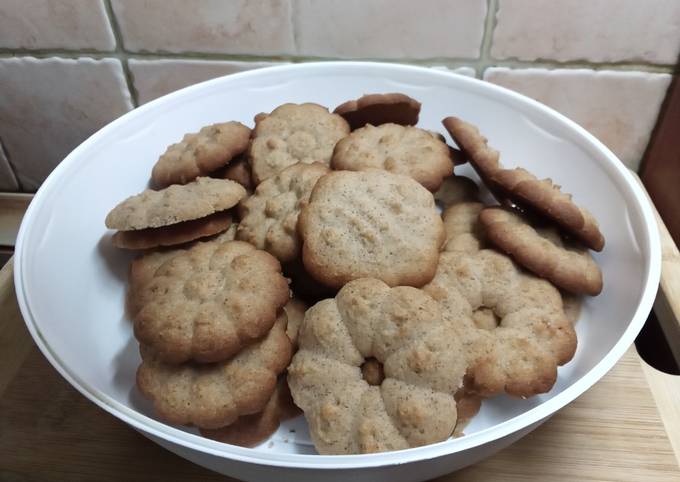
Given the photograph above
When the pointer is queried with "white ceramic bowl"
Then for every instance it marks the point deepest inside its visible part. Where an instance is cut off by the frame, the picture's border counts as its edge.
(70, 281)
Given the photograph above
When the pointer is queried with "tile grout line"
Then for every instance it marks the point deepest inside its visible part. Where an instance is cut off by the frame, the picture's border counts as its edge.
(487, 38)
(12, 169)
(122, 54)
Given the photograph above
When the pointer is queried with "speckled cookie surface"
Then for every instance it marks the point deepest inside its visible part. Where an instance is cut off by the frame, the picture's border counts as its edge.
(205, 303)
(173, 234)
(174, 204)
(544, 253)
(215, 395)
(294, 133)
(512, 324)
(402, 329)
(200, 153)
(370, 224)
(398, 149)
(269, 217)
(377, 109)
(519, 185)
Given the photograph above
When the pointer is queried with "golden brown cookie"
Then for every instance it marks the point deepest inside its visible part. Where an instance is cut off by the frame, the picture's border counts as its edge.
(175, 204)
(237, 170)
(200, 153)
(566, 265)
(294, 133)
(205, 303)
(423, 363)
(370, 224)
(173, 234)
(511, 323)
(377, 109)
(216, 395)
(456, 189)
(269, 217)
(251, 430)
(398, 149)
(540, 196)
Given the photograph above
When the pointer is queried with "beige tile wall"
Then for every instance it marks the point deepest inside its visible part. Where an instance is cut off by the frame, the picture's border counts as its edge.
(67, 67)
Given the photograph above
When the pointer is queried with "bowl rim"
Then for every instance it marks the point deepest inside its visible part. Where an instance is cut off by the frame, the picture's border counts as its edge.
(614, 168)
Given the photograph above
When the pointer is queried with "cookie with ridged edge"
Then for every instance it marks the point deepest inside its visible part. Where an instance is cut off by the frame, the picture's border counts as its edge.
(423, 365)
(542, 197)
(215, 395)
(293, 133)
(175, 204)
(200, 153)
(511, 323)
(566, 265)
(370, 224)
(377, 109)
(205, 303)
(173, 234)
(398, 149)
(269, 217)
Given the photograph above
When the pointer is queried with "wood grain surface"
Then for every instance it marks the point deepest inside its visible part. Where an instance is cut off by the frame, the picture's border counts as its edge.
(49, 432)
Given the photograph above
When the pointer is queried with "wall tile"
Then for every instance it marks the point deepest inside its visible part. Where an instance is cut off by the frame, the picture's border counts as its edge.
(7, 180)
(51, 105)
(154, 78)
(390, 28)
(63, 24)
(593, 30)
(619, 108)
(234, 27)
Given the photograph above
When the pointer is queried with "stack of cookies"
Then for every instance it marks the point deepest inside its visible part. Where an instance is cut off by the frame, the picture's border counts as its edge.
(415, 315)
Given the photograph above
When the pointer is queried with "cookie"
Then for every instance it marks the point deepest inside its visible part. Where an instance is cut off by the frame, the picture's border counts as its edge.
(206, 303)
(520, 186)
(216, 395)
(545, 254)
(304, 285)
(269, 217)
(370, 224)
(398, 149)
(173, 234)
(511, 323)
(294, 133)
(295, 312)
(238, 170)
(251, 430)
(456, 189)
(174, 204)
(463, 231)
(402, 329)
(572, 306)
(378, 109)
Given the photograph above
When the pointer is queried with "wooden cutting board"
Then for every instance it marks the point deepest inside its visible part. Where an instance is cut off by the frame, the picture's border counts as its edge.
(49, 432)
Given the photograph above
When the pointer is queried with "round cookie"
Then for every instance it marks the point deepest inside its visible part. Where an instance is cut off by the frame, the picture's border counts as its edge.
(207, 302)
(293, 133)
(567, 266)
(212, 396)
(200, 153)
(370, 224)
(398, 149)
(519, 185)
(269, 217)
(512, 324)
(251, 430)
(402, 329)
(173, 234)
(174, 204)
(377, 109)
